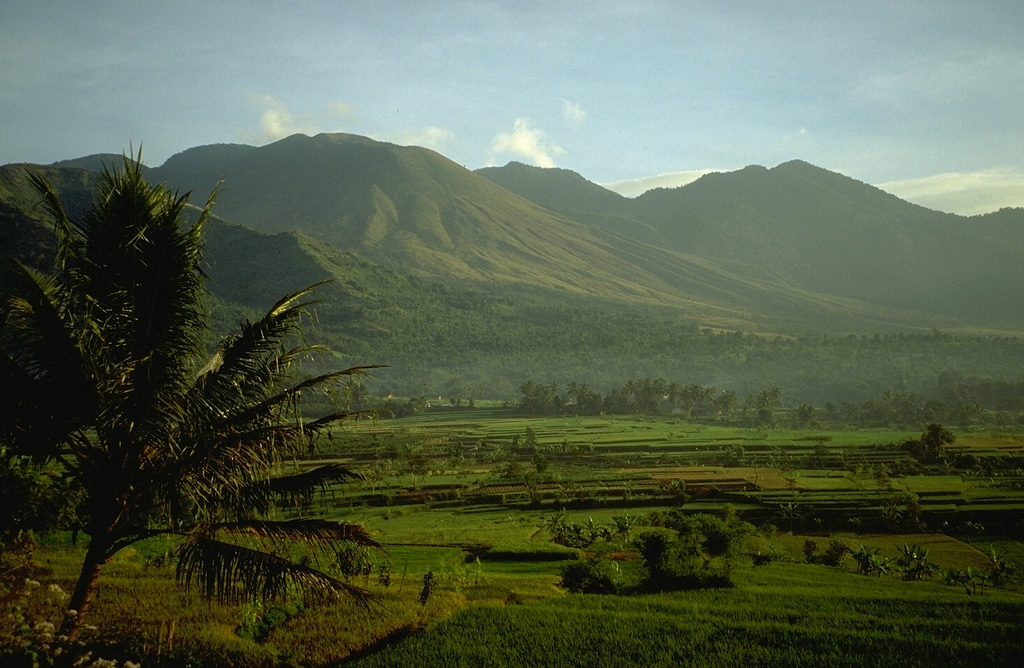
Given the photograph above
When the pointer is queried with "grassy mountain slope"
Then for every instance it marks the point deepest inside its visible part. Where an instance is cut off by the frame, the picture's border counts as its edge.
(414, 210)
(811, 229)
(568, 193)
(817, 229)
(409, 207)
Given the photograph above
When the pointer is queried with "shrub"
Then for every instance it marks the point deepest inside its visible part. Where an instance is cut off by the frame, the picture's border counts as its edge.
(913, 563)
(811, 551)
(712, 535)
(258, 621)
(768, 556)
(590, 576)
(429, 585)
(836, 553)
(674, 562)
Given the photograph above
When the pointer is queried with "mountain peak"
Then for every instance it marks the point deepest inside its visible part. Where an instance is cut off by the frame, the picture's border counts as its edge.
(555, 188)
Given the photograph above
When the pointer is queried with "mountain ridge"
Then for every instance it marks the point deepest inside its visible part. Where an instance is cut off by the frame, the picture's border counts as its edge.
(764, 249)
(810, 228)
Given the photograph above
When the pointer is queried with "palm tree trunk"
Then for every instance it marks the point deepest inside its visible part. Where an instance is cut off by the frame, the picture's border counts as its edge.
(81, 597)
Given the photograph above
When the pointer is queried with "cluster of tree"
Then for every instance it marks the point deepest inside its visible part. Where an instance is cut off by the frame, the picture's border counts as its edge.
(492, 350)
(639, 395)
(760, 408)
(930, 448)
(990, 394)
(685, 552)
(902, 408)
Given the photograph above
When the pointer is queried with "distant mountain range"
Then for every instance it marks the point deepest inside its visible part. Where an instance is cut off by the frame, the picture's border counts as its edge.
(804, 227)
(789, 250)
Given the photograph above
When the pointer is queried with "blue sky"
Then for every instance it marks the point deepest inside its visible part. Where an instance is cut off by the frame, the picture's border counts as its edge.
(925, 99)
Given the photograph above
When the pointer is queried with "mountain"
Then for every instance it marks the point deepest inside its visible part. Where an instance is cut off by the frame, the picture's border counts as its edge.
(566, 192)
(26, 233)
(418, 212)
(443, 273)
(93, 163)
(811, 229)
(756, 249)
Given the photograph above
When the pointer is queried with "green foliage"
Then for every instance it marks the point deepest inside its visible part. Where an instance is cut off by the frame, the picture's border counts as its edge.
(696, 556)
(573, 534)
(353, 560)
(913, 563)
(716, 536)
(258, 619)
(114, 381)
(767, 555)
(427, 587)
(870, 561)
(836, 553)
(999, 567)
(930, 448)
(590, 576)
(35, 500)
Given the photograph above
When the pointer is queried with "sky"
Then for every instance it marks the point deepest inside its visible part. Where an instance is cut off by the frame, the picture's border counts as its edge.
(922, 98)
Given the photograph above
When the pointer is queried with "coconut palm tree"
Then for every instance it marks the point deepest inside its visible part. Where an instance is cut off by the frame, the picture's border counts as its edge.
(113, 380)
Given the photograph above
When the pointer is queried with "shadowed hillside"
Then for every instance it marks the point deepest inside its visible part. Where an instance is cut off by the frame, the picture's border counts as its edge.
(812, 229)
(420, 213)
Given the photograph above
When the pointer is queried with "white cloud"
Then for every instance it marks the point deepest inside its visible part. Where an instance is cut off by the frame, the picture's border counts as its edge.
(278, 122)
(634, 187)
(573, 112)
(431, 137)
(965, 193)
(526, 142)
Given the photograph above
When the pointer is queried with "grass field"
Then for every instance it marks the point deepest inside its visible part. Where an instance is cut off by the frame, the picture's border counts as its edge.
(785, 614)
(470, 498)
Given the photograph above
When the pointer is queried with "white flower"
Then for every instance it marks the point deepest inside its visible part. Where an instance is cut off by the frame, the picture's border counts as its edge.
(44, 627)
(103, 663)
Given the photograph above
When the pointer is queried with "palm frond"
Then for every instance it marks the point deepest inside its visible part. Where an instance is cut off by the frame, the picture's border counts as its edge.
(231, 572)
(321, 535)
(103, 355)
(55, 394)
(67, 246)
(213, 470)
(290, 302)
(294, 491)
(285, 396)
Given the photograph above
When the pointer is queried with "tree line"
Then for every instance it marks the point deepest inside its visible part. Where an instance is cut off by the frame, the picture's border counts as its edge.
(965, 402)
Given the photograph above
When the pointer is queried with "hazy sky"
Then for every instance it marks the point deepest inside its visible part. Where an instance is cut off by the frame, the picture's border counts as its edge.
(924, 98)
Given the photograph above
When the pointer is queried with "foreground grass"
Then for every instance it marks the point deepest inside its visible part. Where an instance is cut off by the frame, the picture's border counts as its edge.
(511, 613)
(786, 614)
(141, 614)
